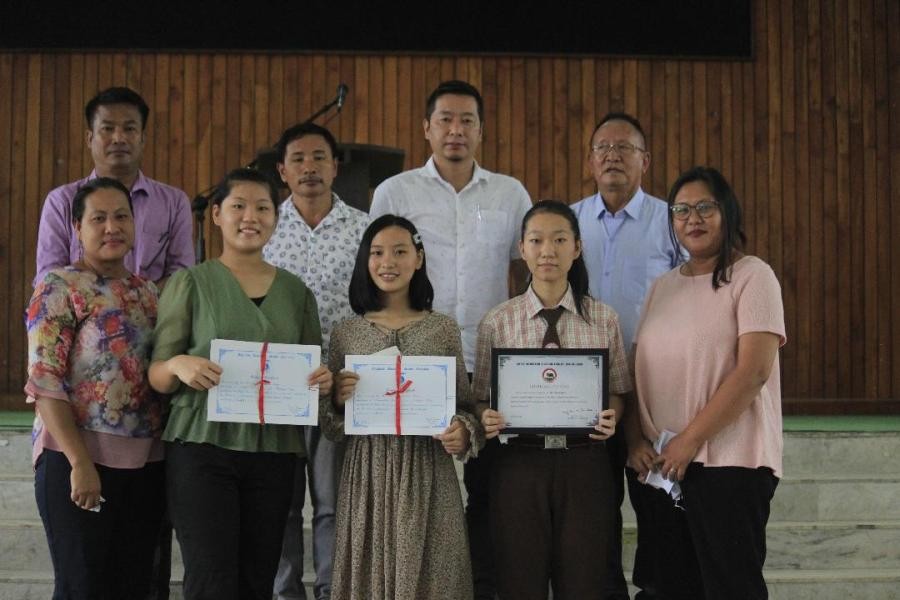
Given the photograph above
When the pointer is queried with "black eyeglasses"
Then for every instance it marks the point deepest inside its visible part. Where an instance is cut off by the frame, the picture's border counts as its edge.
(704, 208)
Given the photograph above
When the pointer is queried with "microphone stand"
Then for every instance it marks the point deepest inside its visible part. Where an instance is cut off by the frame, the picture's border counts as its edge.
(321, 111)
(201, 201)
(198, 207)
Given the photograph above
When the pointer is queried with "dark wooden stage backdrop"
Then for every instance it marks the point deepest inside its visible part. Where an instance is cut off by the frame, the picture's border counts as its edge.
(808, 132)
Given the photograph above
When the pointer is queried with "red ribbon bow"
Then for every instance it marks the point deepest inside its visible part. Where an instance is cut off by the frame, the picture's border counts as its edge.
(261, 400)
(396, 393)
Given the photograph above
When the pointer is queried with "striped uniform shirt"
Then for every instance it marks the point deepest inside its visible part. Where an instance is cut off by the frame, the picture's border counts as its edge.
(517, 324)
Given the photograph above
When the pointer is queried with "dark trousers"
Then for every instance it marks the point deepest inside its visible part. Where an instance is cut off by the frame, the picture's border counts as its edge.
(162, 561)
(552, 515)
(644, 561)
(477, 477)
(616, 587)
(716, 547)
(105, 555)
(229, 509)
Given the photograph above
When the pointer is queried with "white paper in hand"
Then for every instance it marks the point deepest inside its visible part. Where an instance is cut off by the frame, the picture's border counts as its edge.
(655, 478)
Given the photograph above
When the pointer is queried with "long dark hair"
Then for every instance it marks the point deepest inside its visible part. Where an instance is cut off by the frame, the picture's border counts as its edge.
(364, 294)
(733, 238)
(578, 274)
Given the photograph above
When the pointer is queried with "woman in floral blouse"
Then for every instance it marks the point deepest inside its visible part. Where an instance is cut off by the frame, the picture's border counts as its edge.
(97, 452)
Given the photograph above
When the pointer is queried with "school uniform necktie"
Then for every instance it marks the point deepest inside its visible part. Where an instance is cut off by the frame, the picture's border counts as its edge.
(551, 337)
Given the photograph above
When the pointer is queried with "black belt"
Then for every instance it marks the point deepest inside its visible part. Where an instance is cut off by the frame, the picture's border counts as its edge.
(537, 442)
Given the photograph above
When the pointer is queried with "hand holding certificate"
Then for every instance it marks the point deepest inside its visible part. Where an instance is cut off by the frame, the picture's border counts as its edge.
(264, 383)
(401, 395)
(558, 391)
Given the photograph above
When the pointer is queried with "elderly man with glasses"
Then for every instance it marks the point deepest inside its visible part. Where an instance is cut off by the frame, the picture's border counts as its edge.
(625, 235)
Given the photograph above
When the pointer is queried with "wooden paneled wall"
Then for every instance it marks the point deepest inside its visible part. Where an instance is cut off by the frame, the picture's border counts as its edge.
(808, 133)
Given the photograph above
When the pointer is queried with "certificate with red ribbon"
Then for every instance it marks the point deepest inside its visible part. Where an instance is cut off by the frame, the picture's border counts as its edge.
(264, 383)
(401, 395)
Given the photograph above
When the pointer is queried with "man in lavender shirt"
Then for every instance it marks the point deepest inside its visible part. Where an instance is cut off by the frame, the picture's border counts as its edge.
(116, 133)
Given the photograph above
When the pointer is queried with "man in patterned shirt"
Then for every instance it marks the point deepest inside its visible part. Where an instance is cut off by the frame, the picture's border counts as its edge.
(316, 239)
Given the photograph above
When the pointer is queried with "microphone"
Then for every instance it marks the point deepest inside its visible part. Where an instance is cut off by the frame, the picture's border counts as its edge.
(200, 202)
(342, 92)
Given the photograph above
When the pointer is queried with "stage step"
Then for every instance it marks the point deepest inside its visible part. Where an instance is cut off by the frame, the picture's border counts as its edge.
(834, 584)
(23, 545)
(832, 534)
(839, 499)
(38, 585)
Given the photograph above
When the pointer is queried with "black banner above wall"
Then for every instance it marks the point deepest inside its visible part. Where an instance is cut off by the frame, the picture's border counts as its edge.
(678, 28)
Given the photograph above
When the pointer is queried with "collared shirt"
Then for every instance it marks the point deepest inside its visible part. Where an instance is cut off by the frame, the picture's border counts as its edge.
(517, 323)
(624, 252)
(470, 238)
(323, 257)
(163, 240)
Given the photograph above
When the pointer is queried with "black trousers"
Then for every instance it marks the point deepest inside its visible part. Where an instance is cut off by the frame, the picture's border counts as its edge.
(477, 478)
(551, 518)
(616, 587)
(716, 546)
(162, 561)
(229, 509)
(105, 555)
(642, 574)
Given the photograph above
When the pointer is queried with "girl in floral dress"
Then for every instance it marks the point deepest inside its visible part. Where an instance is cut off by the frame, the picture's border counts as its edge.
(400, 532)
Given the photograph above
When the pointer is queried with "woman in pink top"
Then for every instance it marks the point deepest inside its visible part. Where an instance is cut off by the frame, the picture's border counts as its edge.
(706, 370)
(99, 477)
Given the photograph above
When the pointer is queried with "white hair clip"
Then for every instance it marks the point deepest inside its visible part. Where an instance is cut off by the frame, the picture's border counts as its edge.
(417, 239)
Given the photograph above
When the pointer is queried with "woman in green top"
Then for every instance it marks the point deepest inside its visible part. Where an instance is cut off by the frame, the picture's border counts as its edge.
(229, 484)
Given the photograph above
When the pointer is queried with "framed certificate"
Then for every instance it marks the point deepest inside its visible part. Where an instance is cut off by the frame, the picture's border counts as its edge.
(401, 395)
(264, 383)
(552, 391)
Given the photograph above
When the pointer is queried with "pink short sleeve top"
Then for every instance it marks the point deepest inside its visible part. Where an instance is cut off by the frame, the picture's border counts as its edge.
(686, 345)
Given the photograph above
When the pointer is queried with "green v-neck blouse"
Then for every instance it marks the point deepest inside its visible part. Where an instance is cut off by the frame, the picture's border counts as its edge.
(206, 302)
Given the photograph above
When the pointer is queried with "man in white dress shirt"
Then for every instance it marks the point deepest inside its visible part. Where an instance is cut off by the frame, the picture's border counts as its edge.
(470, 220)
